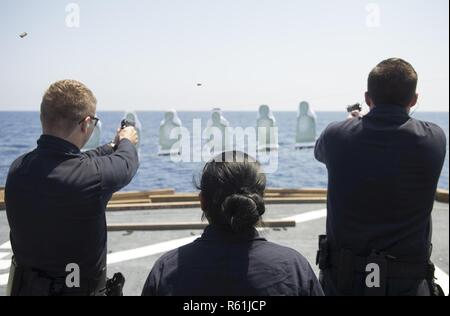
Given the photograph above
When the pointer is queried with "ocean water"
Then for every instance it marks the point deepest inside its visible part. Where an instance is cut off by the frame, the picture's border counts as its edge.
(296, 169)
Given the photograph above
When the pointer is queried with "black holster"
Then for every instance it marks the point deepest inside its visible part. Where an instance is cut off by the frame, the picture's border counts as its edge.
(114, 286)
(322, 258)
(435, 289)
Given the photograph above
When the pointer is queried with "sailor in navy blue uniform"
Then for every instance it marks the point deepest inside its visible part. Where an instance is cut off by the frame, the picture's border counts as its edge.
(383, 172)
(231, 258)
(56, 197)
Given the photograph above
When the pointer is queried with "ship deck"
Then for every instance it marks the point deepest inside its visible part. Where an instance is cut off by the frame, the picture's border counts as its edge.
(134, 252)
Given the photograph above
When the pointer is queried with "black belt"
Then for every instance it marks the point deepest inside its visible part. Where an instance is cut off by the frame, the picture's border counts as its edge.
(34, 282)
(344, 265)
(394, 268)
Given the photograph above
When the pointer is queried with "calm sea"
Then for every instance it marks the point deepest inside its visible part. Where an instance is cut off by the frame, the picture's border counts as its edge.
(296, 168)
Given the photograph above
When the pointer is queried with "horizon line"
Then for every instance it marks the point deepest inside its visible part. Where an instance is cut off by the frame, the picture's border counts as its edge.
(243, 111)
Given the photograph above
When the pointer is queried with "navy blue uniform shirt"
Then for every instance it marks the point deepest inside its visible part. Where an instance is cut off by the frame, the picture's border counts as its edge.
(225, 264)
(56, 198)
(383, 172)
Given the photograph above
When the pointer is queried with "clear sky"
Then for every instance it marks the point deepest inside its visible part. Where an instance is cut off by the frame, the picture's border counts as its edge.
(150, 54)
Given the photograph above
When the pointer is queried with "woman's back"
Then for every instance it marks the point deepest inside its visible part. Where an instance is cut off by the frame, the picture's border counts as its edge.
(225, 264)
(231, 259)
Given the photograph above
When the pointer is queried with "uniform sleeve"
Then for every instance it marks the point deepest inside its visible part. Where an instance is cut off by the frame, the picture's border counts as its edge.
(99, 152)
(436, 149)
(320, 151)
(118, 169)
(323, 149)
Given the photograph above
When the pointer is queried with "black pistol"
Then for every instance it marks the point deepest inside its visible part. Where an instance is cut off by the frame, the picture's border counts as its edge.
(354, 107)
(126, 123)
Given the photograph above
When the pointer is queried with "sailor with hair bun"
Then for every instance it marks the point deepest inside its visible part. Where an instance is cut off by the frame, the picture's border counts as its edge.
(231, 258)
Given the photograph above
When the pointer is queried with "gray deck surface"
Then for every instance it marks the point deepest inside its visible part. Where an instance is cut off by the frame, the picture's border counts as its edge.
(136, 265)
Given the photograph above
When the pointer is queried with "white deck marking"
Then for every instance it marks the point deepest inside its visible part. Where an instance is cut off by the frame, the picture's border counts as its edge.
(308, 216)
(5, 264)
(6, 245)
(148, 250)
(4, 279)
(442, 280)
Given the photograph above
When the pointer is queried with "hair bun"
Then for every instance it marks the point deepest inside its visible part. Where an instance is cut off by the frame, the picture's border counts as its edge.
(243, 211)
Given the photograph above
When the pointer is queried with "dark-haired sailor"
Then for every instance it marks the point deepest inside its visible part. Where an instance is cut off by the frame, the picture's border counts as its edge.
(383, 171)
(231, 259)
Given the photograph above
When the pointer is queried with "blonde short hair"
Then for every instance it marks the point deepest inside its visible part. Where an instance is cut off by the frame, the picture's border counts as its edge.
(66, 103)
